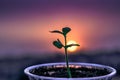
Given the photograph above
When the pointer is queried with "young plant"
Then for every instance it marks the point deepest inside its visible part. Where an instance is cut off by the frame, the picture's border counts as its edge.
(57, 43)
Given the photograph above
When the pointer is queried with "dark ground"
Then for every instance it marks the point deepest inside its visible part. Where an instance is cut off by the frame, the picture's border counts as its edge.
(12, 68)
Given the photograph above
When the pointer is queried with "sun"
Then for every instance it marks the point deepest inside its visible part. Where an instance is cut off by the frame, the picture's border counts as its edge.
(73, 48)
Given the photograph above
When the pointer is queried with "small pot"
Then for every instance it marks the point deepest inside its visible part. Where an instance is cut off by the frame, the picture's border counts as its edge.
(108, 76)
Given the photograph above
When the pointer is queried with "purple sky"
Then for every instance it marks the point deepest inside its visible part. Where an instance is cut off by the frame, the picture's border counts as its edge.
(24, 24)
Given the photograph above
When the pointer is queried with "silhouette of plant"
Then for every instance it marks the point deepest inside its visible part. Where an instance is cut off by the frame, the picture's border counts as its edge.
(57, 43)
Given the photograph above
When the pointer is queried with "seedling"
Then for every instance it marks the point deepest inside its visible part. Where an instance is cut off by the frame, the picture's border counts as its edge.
(57, 43)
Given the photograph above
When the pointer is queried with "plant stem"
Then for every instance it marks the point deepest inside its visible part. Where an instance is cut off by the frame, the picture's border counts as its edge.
(66, 58)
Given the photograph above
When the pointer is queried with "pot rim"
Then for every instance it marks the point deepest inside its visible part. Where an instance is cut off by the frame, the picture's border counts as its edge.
(112, 70)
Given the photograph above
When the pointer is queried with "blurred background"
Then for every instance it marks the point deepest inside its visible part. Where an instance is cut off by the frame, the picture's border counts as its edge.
(25, 39)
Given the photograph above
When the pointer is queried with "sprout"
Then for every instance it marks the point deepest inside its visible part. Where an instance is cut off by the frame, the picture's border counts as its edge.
(57, 43)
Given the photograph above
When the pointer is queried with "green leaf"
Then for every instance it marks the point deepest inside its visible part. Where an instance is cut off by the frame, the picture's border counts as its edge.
(65, 30)
(70, 45)
(56, 31)
(58, 44)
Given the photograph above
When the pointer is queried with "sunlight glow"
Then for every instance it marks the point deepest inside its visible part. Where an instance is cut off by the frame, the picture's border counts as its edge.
(73, 48)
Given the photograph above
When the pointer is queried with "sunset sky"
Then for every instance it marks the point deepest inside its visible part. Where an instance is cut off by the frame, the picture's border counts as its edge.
(25, 24)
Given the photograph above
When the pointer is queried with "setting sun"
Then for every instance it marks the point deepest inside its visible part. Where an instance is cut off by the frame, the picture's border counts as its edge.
(73, 48)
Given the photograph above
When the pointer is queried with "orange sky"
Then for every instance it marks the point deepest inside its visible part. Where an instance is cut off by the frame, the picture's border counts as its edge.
(28, 31)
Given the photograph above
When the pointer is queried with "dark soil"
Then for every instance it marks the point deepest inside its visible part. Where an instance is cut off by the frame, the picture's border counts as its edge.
(77, 72)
